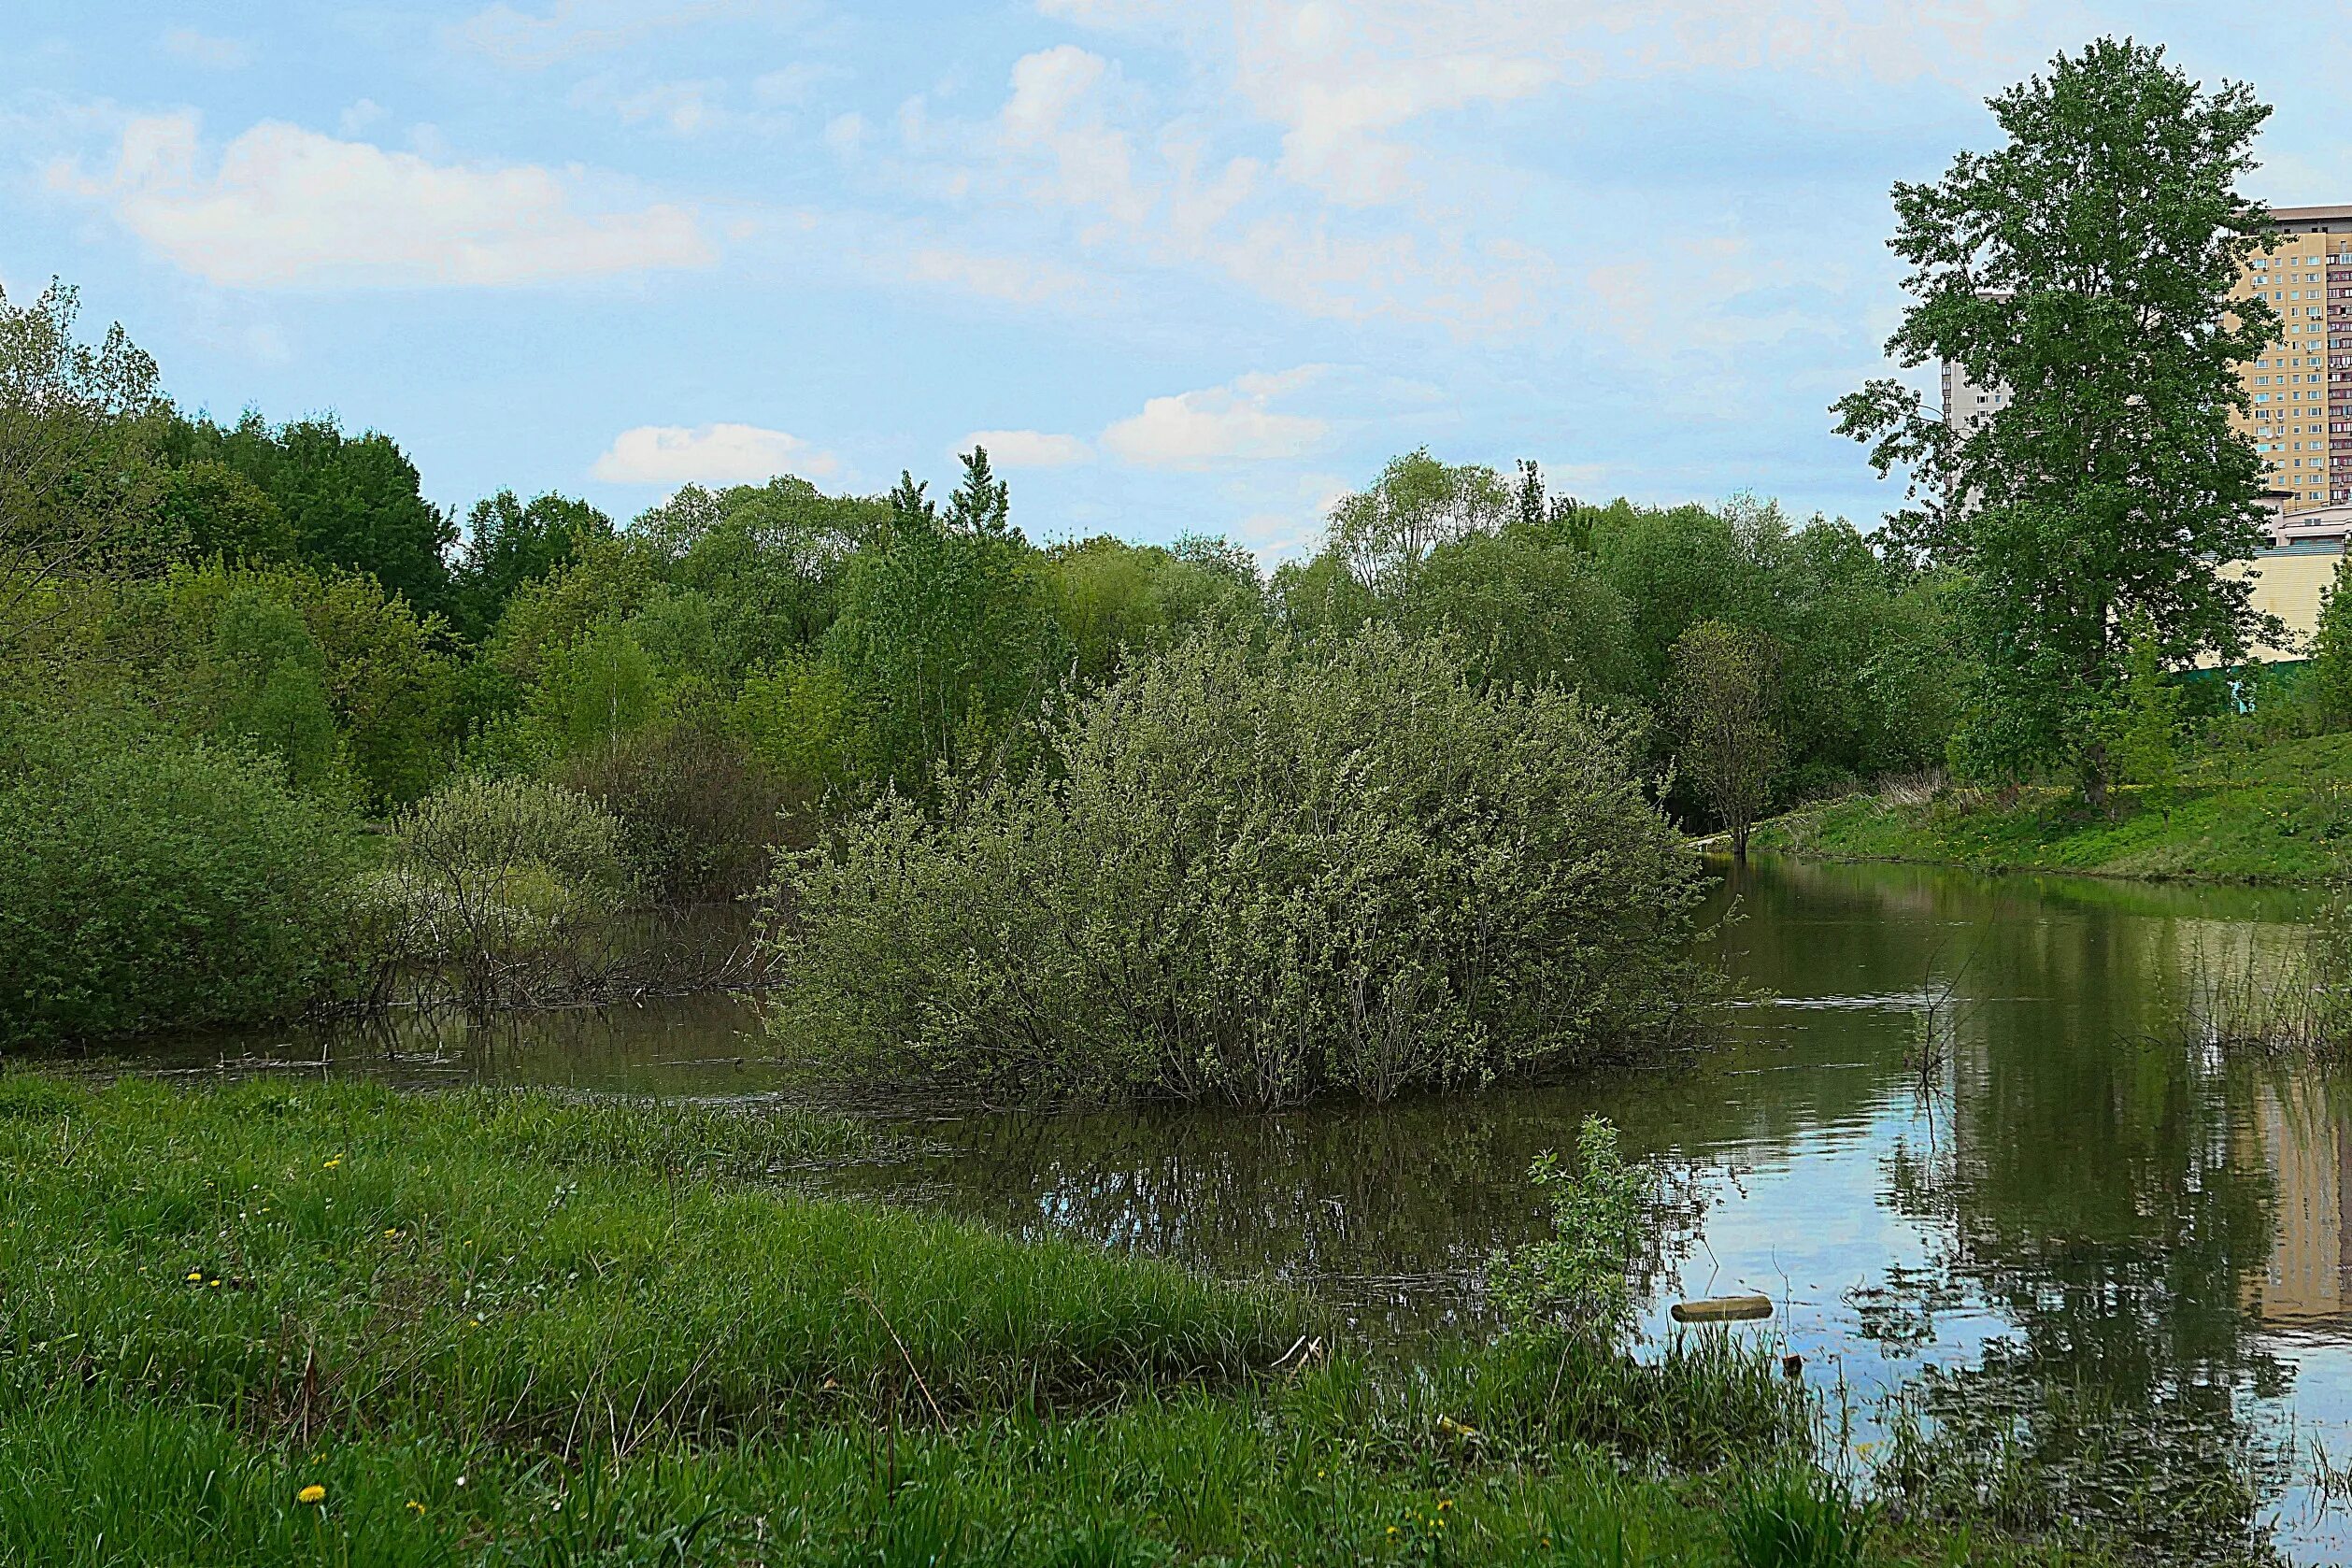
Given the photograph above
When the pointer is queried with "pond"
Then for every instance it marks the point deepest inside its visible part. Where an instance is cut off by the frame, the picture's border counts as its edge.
(1956, 1144)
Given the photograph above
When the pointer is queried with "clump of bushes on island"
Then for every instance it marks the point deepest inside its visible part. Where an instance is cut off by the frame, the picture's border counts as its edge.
(1257, 872)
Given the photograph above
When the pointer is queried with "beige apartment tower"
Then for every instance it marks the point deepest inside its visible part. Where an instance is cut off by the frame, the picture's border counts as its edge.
(2300, 393)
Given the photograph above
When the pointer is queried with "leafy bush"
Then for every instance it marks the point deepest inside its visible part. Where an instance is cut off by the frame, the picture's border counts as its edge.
(1258, 876)
(698, 819)
(488, 874)
(148, 882)
(1579, 1278)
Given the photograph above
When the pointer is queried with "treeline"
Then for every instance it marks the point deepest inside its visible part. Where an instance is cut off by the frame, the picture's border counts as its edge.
(249, 664)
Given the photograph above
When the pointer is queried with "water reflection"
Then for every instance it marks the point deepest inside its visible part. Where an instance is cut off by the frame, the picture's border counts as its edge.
(1959, 1145)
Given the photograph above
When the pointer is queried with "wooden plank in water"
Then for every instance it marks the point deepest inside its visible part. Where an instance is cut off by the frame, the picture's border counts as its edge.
(1723, 1309)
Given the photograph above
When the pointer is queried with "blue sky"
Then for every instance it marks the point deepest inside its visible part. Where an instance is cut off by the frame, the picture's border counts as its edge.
(1192, 264)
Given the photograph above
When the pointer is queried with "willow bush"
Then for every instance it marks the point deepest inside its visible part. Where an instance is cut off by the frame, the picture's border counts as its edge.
(148, 882)
(1260, 875)
(490, 880)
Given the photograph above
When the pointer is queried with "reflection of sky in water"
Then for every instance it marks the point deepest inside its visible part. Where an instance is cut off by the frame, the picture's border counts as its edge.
(2126, 1214)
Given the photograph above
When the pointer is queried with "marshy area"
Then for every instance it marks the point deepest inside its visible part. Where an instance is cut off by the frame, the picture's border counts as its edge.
(2060, 1283)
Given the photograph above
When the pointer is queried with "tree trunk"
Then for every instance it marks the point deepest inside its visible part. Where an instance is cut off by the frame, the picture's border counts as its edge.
(2095, 770)
(1739, 839)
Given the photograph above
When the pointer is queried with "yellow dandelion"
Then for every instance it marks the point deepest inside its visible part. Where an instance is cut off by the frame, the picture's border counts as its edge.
(332, 1163)
(416, 1507)
(314, 1492)
(194, 1275)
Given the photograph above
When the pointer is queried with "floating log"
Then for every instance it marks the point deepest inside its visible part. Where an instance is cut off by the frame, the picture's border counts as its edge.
(1723, 1309)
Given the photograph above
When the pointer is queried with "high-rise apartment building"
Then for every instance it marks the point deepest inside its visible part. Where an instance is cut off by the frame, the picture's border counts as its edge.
(2300, 393)
(2301, 389)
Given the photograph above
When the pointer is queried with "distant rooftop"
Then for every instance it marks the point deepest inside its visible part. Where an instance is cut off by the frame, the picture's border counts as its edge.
(2310, 214)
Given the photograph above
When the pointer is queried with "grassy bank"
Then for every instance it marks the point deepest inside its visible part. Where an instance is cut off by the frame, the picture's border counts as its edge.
(331, 1325)
(2277, 816)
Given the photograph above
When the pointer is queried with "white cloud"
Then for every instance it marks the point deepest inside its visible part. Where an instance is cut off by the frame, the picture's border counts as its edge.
(846, 133)
(1057, 113)
(683, 108)
(1235, 423)
(568, 29)
(1027, 448)
(203, 49)
(1293, 529)
(285, 206)
(1016, 280)
(359, 118)
(711, 454)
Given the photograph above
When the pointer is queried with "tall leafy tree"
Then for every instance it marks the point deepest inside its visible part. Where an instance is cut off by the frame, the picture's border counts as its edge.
(509, 542)
(1726, 699)
(2086, 266)
(1385, 533)
(351, 501)
(947, 636)
(76, 482)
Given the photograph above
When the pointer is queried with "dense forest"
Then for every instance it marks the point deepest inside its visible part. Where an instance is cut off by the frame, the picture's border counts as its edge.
(249, 667)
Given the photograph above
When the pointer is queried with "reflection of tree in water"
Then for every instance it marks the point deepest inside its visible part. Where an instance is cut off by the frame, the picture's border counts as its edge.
(2088, 1190)
(1392, 1211)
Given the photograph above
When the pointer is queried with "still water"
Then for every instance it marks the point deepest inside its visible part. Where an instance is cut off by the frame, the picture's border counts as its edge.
(1958, 1144)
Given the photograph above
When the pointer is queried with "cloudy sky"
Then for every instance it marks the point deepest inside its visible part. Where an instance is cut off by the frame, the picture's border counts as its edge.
(1182, 264)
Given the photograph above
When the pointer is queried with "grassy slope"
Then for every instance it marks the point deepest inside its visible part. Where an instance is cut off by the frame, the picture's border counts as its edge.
(2278, 817)
(500, 1328)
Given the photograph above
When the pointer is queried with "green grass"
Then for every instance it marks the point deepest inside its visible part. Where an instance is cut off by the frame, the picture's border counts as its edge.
(505, 1328)
(2281, 816)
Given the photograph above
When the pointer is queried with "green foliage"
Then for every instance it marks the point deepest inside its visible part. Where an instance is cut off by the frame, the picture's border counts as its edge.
(509, 543)
(770, 558)
(387, 683)
(2329, 684)
(947, 636)
(352, 502)
(1579, 1279)
(796, 718)
(2086, 266)
(488, 874)
(697, 817)
(274, 693)
(1257, 875)
(1527, 611)
(2149, 723)
(1112, 599)
(1384, 533)
(597, 691)
(207, 510)
(1796, 1519)
(76, 433)
(148, 881)
(1725, 702)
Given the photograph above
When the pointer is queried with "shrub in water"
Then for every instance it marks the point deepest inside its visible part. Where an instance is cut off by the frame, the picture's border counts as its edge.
(148, 882)
(486, 873)
(1580, 1278)
(698, 818)
(1257, 875)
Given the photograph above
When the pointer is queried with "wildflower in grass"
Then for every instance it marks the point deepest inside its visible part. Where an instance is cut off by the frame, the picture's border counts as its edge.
(332, 1163)
(314, 1492)
(416, 1507)
(194, 1275)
